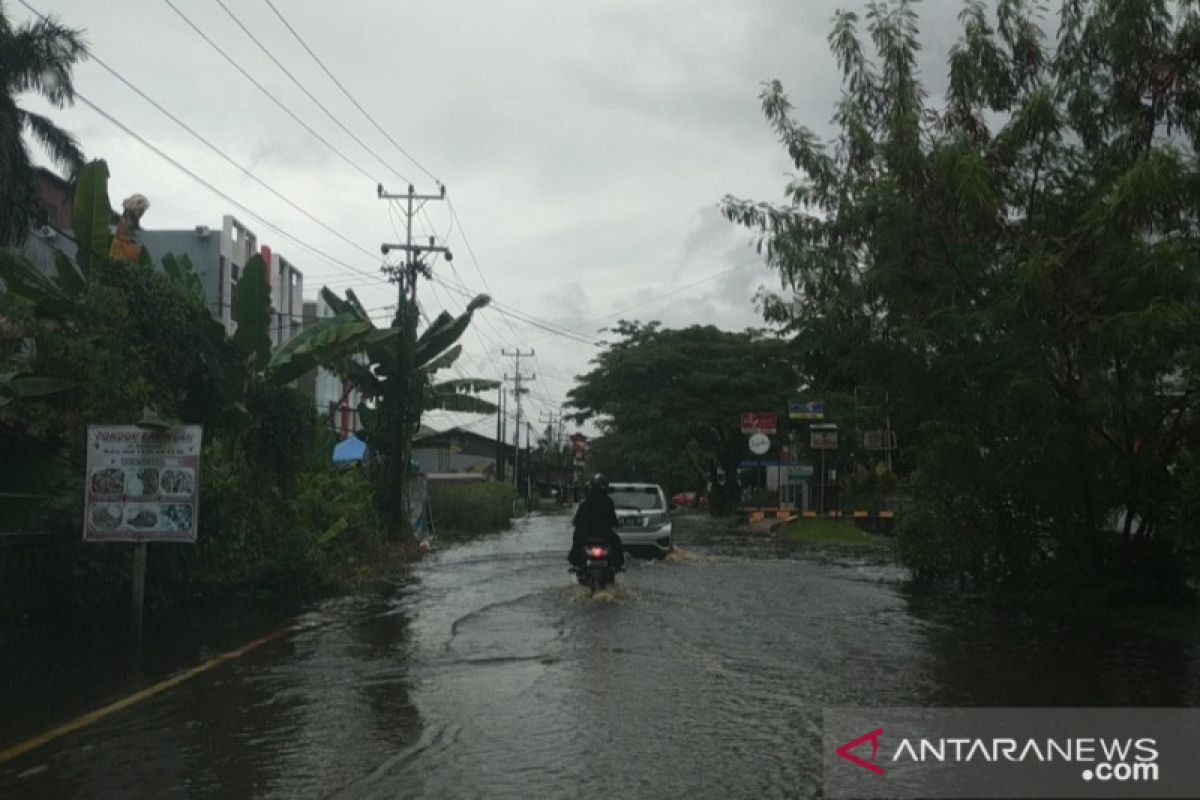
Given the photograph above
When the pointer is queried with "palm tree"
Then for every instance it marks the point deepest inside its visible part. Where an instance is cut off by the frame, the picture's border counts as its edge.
(35, 57)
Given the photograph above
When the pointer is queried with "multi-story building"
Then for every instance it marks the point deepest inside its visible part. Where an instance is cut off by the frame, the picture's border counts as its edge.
(220, 258)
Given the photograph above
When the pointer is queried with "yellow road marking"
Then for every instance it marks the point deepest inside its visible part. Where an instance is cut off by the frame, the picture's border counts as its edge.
(137, 697)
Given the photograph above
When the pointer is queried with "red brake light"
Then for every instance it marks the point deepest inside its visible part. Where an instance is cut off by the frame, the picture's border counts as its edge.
(596, 552)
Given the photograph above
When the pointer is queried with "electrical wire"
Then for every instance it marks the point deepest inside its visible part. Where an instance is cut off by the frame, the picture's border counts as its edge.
(258, 42)
(450, 204)
(245, 209)
(349, 96)
(270, 96)
(662, 297)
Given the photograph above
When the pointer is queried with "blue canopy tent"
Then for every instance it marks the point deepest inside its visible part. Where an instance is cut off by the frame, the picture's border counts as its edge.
(353, 449)
(349, 450)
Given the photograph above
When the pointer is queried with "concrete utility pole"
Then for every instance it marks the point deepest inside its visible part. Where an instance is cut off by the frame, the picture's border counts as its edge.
(500, 435)
(405, 277)
(554, 420)
(517, 379)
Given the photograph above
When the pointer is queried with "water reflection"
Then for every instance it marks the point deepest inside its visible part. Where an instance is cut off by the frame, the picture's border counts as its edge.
(488, 673)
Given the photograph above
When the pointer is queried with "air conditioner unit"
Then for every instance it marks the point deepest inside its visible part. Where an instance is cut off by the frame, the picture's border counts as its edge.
(45, 232)
(203, 231)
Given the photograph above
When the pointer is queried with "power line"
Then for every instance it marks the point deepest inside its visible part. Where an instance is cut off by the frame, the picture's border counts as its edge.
(349, 96)
(660, 298)
(178, 165)
(257, 41)
(520, 317)
(268, 93)
(252, 214)
(453, 212)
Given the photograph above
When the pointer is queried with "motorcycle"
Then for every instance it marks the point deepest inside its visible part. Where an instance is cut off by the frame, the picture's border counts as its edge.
(598, 569)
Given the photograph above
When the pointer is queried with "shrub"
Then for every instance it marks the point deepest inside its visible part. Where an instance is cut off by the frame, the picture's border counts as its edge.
(471, 507)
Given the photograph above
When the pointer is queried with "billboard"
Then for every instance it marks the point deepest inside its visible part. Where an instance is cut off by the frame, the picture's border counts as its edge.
(759, 422)
(806, 409)
(142, 485)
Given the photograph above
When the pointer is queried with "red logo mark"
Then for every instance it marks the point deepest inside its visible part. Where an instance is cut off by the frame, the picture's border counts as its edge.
(873, 737)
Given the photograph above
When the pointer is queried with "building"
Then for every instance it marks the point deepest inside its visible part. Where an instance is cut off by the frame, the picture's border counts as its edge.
(52, 220)
(458, 450)
(220, 257)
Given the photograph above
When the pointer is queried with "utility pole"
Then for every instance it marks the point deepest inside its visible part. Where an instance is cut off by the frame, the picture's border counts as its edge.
(405, 277)
(517, 379)
(528, 465)
(554, 420)
(500, 435)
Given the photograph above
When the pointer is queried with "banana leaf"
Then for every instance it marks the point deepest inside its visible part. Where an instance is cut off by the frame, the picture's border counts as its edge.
(92, 214)
(252, 311)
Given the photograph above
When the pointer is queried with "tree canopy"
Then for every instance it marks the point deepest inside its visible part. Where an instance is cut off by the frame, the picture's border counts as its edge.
(35, 57)
(1019, 265)
(669, 401)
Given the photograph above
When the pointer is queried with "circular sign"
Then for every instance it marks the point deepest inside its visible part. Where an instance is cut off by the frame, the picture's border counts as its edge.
(760, 443)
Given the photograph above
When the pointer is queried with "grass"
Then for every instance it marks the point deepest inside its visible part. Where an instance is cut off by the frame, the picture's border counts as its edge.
(830, 533)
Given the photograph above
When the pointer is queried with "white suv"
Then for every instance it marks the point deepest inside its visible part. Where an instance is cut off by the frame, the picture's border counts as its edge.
(644, 516)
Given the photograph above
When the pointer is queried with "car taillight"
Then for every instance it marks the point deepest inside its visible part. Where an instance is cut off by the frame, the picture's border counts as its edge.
(596, 552)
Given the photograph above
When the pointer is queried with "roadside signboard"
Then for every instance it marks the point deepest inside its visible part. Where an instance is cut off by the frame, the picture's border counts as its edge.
(823, 437)
(759, 422)
(759, 443)
(800, 471)
(142, 485)
(806, 409)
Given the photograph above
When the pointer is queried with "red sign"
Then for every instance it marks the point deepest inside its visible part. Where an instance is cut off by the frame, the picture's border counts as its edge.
(759, 422)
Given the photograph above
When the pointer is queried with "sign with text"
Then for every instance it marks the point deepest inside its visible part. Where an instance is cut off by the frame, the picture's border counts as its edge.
(1010, 752)
(759, 422)
(142, 485)
(759, 443)
(806, 409)
(823, 437)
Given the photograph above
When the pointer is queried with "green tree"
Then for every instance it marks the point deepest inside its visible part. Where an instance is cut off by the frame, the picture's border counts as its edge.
(1019, 264)
(352, 347)
(35, 57)
(669, 401)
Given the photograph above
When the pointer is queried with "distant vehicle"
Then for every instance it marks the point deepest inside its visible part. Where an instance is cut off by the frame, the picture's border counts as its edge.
(690, 500)
(644, 517)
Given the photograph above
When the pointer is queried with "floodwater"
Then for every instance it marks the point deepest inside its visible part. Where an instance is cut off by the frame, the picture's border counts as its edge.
(487, 673)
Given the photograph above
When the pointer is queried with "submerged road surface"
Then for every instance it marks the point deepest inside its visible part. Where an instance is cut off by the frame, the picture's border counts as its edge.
(487, 673)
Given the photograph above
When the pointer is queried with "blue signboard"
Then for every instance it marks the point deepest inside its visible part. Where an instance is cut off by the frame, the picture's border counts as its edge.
(806, 409)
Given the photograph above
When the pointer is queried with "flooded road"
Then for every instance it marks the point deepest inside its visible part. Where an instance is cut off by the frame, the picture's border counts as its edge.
(487, 673)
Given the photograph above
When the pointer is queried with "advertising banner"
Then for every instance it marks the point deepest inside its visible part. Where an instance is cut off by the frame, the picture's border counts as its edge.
(759, 422)
(806, 409)
(142, 485)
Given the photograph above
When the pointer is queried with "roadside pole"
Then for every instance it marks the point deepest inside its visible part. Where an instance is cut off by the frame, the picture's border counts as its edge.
(405, 277)
(138, 604)
(822, 482)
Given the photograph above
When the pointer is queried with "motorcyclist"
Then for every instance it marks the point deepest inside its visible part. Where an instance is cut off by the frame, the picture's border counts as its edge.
(596, 518)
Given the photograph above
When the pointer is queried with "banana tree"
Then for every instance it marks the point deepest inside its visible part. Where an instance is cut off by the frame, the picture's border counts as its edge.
(353, 348)
(393, 396)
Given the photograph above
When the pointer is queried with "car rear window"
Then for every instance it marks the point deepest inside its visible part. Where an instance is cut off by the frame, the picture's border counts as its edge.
(646, 499)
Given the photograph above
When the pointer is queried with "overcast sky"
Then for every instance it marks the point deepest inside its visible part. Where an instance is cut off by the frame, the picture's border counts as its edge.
(585, 143)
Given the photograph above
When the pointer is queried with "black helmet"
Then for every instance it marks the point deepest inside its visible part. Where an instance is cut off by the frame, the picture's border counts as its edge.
(600, 482)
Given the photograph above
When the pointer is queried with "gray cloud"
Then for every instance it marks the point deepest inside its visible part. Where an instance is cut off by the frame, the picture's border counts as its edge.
(585, 144)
